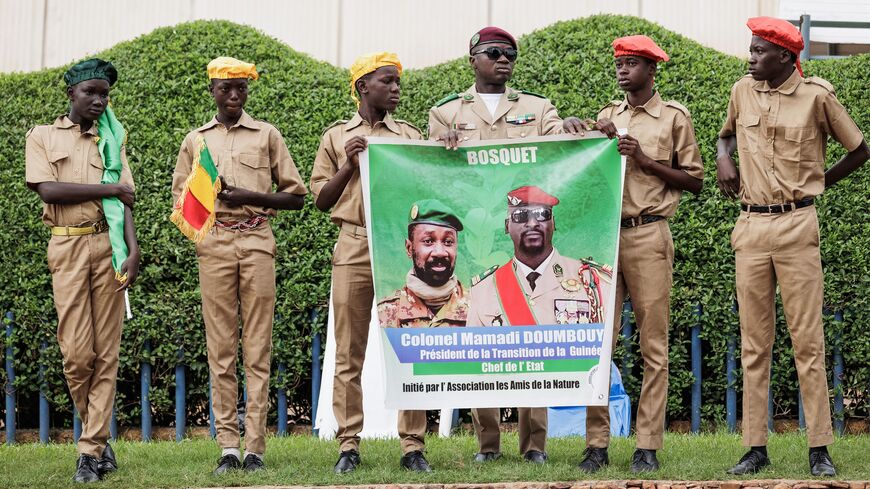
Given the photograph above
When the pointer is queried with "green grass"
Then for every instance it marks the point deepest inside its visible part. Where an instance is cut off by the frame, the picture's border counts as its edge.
(303, 460)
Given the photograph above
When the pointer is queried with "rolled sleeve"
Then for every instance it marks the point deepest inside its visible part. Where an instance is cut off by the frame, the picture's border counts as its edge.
(284, 172)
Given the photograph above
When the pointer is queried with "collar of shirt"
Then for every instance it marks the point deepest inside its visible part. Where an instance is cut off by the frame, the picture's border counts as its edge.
(652, 106)
(64, 122)
(244, 121)
(412, 307)
(787, 88)
(525, 270)
(388, 121)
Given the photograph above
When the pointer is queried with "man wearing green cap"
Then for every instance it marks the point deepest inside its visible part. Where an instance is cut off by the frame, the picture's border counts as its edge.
(78, 166)
(432, 296)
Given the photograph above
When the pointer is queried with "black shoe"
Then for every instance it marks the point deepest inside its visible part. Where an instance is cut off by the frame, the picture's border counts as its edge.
(821, 464)
(535, 457)
(227, 463)
(750, 463)
(347, 462)
(415, 461)
(86, 470)
(107, 462)
(594, 459)
(483, 457)
(644, 460)
(253, 463)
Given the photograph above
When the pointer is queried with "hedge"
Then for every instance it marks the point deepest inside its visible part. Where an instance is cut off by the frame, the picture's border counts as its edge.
(162, 94)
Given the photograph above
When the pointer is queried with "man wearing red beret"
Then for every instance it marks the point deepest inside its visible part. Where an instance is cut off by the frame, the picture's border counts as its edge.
(537, 286)
(663, 160)
(779, 122)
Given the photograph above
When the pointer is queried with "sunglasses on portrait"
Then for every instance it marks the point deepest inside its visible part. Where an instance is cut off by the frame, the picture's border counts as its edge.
(541, 214)
(495, 53)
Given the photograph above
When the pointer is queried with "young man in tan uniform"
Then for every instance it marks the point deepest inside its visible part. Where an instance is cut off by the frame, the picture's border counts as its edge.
(491, 110)
(65, 167)
(237, 258)
(433, 297)
(663, 160)
(335, 183)
(779, 123)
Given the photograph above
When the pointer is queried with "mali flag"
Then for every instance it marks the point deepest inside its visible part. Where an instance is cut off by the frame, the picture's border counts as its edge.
(194, 211)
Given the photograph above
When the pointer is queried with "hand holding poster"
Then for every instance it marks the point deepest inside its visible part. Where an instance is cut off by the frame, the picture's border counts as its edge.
(493, 269)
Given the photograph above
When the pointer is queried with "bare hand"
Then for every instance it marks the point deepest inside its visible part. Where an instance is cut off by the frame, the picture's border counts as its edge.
(630, 148)
(727, 176)
(353, 147)
(573, 125)
(130, 271)
(607, 127)
(231, 195)
(452, 138)
(125, 194)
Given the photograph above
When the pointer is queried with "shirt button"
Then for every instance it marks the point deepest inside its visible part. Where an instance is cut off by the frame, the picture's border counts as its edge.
(531, 303)
(493, 127)
(522, 134)
(769, 140)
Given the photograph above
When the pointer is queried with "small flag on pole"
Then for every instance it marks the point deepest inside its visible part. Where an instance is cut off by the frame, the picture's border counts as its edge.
(194, 211)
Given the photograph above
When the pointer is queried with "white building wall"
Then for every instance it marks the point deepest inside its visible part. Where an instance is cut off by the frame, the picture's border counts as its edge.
(44, 33)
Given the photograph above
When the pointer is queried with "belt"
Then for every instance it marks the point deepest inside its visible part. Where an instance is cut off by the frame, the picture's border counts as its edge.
(630, 222)
(778, 208)
(95, 228)
(242, 226)
(354, 229)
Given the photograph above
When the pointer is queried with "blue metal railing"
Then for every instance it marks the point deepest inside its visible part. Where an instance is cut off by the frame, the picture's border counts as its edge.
(316, 348)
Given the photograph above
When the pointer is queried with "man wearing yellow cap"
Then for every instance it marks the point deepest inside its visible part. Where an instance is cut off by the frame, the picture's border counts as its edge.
(68, 164)
(237, 258)
(335, 183)
(662, 161)
(779, 122)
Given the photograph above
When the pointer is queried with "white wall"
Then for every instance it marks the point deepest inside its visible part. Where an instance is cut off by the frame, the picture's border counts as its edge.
(44, 33)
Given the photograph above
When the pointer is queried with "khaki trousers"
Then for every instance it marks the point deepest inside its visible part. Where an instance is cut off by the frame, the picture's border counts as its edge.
(645, 274)
(89, 317)
(352, 297)
(237, 278)
(782, 249)
(532, 428)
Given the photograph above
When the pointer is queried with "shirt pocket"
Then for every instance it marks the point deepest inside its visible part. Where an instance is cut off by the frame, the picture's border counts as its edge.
(253, 173)
(802, 144)
(61, 166)
(517, 132)
(748, 133)
(469, 134)
(94, 168)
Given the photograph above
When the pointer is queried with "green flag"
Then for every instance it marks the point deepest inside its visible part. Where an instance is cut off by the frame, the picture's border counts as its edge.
(112, 137)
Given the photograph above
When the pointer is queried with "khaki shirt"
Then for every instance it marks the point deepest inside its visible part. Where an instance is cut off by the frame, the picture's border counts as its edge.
(60, 152)
(518, 115)
(331, 157)
(558, 298)
(251, 155)
(665, 133)
(403, 309)
(782, 134)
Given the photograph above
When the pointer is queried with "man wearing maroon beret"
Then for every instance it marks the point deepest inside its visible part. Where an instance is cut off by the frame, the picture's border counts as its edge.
(779, 123)
(539, 283)
(663, 160)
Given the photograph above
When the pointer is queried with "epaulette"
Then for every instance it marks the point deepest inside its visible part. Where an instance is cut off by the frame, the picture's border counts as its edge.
(486, 273)
(605, 269)
(402, 121)
(820, 82)
(390, 298)
(452, 96)
(336, 123)
(526, 92)
(682, 108)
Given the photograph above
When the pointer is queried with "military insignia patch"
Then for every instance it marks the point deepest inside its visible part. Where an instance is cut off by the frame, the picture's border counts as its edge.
(571, 311)
(497, 321)
(464, 126)
(469, 97)
(512, 96)
(519, 119)
(414, 211)
(513, 200)
(570, 284)
(474, 39)
(557, 270)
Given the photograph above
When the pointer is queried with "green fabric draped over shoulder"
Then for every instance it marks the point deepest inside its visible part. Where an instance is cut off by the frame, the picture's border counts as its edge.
(112, 137)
